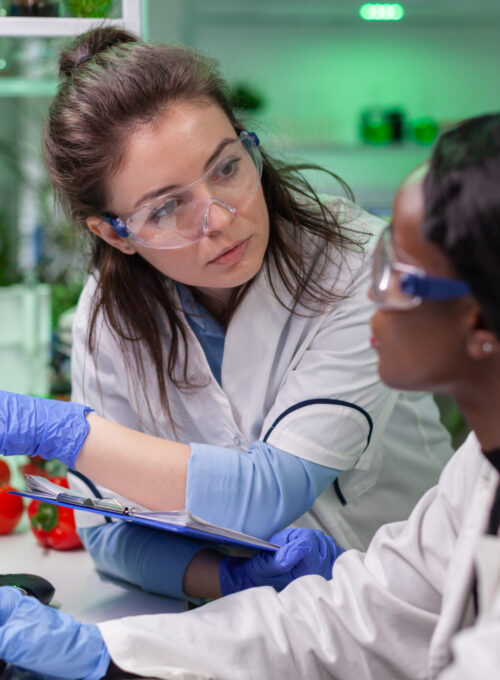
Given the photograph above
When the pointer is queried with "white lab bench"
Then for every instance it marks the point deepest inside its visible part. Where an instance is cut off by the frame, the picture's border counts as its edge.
(80, 589)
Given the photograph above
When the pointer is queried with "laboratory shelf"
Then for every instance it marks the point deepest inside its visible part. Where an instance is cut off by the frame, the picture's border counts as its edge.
(12, 86)
(133, 16)
(53, 27)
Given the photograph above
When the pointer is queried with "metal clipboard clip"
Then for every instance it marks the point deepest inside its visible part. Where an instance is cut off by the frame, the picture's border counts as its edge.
(98, 503)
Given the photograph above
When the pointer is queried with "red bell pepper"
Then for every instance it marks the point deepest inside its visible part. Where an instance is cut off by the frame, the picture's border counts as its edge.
(4, 472)
(35, 466)
(54, 526)
(11, 509)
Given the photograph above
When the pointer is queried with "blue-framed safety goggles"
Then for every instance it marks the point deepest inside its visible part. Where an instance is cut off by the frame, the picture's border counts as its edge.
(399, 283)
(180, 218)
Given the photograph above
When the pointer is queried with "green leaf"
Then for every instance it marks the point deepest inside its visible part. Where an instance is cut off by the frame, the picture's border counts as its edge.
(46, 518)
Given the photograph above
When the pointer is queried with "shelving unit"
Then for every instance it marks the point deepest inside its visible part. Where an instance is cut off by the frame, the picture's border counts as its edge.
(133, 17)
(25, 349)
(16, 86)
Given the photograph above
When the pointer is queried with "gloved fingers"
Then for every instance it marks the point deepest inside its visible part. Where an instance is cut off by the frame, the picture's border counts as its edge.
(321, 558)
(9, 600)
(293, 553)
(301, 552)
(263, 565)
(317, 558)
(285, 536)
(325, 546)
(283, 560)
(50, 642)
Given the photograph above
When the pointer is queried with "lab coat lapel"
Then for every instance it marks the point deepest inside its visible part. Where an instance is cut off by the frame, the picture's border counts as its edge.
(252, 349)
(488, 573)
(209, 407)
(457, 609)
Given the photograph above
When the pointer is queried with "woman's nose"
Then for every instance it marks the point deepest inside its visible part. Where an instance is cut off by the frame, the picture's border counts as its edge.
(218, 216)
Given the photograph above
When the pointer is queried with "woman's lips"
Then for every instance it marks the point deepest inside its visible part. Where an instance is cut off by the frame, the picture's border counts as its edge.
(233, 255)
(374, 342)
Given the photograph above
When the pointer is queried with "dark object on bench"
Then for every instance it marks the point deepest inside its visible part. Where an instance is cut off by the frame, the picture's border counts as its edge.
(32, 585)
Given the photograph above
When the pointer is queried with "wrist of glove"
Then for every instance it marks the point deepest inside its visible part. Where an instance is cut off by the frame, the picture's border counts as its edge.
(49, 642)
(301, 552)
(42, 427)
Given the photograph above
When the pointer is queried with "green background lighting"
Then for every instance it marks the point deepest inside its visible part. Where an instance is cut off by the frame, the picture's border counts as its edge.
(381, 11)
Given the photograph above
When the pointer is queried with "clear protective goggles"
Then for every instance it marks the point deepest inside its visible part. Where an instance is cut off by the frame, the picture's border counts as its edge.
(399, 283)
(182, 217)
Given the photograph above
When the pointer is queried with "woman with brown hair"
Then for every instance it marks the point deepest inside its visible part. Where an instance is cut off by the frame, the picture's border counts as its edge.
(226, 313)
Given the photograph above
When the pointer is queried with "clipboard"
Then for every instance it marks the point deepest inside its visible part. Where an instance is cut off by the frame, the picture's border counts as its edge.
(175, 521)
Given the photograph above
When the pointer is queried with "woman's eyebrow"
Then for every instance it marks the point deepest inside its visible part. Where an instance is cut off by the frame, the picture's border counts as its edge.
(222, 145)
(164, 190)
(153, 194)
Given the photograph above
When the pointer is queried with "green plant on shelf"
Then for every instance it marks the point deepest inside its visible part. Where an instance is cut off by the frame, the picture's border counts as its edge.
(62, 266)
(90, 8)
(9, 272)
(246, 98)
(9, 239)
(63, 297)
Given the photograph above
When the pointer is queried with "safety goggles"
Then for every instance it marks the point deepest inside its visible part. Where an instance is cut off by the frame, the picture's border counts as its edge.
(181, 217)
(398, 283)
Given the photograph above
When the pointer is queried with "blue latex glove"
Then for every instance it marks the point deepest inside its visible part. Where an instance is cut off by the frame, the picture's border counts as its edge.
(303, 551)
(49, 642)
(42, 427)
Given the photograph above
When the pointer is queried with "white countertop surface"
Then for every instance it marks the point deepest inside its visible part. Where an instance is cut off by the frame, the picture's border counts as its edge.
(80, 590)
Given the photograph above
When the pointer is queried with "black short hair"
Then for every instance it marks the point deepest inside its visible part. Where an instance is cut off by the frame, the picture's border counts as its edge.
(462, 207)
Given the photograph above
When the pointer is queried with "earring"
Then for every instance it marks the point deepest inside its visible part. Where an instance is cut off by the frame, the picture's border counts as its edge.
(128, 249)
(487, 347)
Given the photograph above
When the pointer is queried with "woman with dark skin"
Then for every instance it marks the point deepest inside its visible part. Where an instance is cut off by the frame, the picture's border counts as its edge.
(424, 600)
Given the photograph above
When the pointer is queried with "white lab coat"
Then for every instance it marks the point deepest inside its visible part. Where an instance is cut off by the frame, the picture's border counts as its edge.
(401, 611)
(307, 384)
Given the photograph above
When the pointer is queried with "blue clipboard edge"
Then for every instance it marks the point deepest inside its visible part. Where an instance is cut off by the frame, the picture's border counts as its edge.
(153, 524)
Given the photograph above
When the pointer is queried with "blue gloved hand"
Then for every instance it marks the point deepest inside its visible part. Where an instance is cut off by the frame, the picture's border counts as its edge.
(46, 641)
(303, 551)
(42, 427)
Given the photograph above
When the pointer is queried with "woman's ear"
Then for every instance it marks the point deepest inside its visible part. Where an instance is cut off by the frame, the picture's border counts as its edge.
(482, 344)
(105, 231)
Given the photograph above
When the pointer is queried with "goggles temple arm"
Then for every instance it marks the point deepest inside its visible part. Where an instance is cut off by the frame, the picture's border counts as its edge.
(432, 287)
(118, 224)
(253, 137)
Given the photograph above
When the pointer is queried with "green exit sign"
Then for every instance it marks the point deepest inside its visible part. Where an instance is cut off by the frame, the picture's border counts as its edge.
(381, 11)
